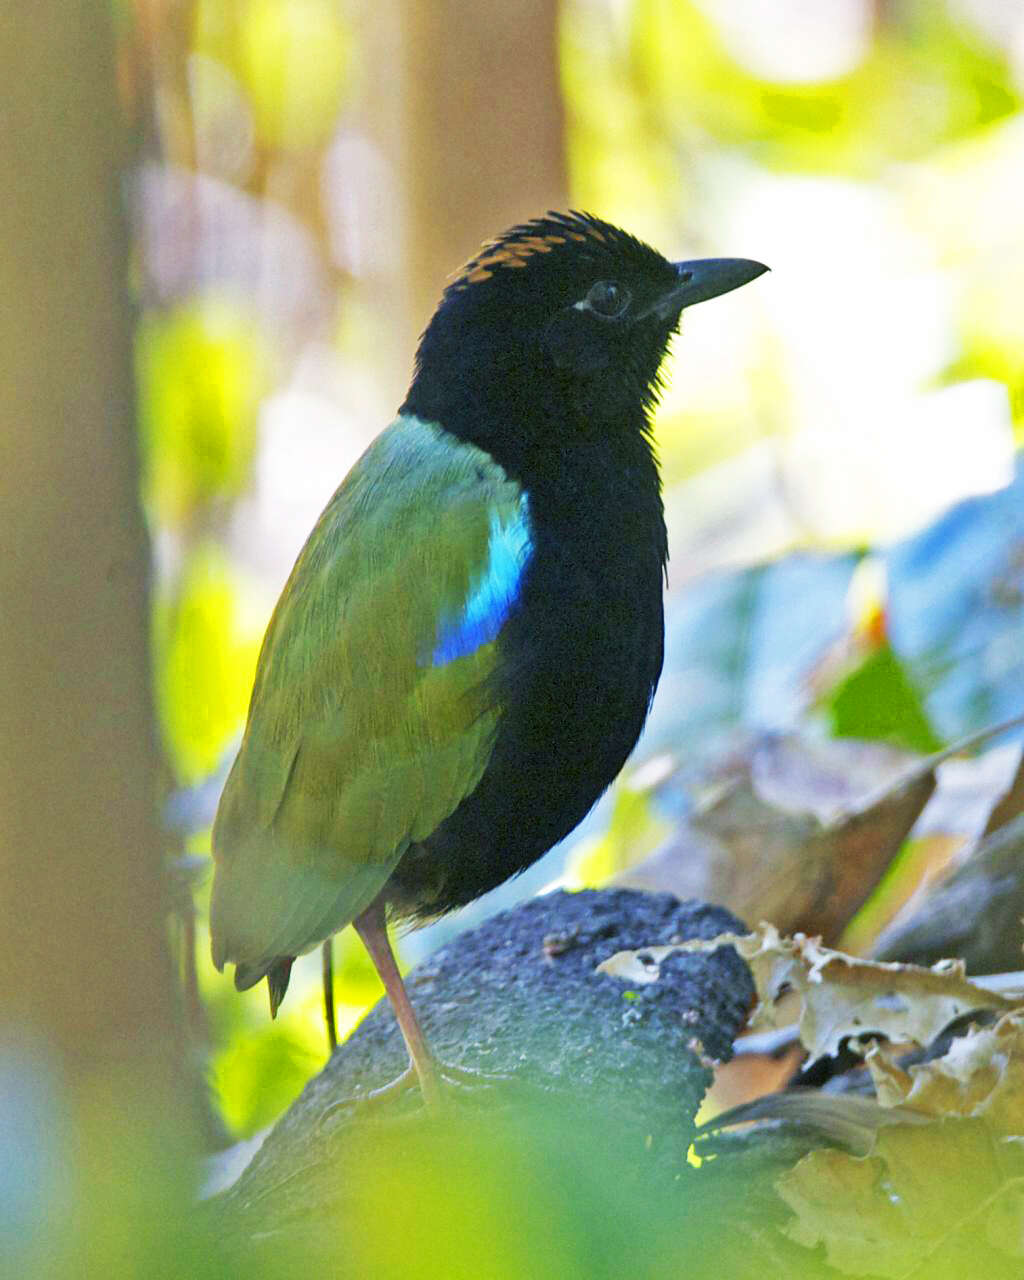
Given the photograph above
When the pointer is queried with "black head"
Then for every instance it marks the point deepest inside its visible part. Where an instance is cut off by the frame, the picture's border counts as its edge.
(557, 327)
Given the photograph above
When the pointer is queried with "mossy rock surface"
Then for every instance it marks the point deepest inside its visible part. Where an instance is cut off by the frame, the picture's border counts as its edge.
(595, 1071)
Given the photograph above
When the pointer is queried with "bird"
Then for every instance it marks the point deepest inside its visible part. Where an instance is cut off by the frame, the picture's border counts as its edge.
(467, 647)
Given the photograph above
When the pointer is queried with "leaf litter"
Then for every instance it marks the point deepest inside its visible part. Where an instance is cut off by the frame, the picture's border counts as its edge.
(927, 1179)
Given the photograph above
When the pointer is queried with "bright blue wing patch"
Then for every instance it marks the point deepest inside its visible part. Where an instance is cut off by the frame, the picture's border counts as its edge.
(492, 595)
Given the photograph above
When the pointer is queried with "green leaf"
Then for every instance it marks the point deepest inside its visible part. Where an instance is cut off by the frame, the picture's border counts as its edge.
(878, 701)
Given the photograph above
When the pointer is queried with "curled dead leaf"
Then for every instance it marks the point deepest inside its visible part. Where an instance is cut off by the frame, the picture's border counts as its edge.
(981, 1074)
(842, 997)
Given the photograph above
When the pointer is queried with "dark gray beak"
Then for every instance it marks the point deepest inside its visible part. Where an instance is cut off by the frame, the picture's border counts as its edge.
(705, 278)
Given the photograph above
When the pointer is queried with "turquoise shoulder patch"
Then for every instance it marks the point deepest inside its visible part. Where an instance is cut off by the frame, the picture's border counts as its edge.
(494, 593)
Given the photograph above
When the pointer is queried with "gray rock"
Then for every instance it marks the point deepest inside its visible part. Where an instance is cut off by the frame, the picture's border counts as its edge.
(587, 1059)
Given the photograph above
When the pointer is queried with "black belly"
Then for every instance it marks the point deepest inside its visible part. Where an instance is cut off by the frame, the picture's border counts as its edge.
(581, 660)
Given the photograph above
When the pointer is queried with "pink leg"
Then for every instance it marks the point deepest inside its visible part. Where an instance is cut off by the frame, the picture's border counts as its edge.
(372, 928)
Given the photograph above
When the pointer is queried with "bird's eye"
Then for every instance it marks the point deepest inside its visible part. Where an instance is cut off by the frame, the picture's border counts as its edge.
(608, 298)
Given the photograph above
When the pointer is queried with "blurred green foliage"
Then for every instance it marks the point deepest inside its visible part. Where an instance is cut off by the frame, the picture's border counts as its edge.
(634, 830)
(259, 1066)
(292, 60)
(926, 80)
(202, 372)
(261, 1069)
(205, 658)
(993, 347)
(669, 82)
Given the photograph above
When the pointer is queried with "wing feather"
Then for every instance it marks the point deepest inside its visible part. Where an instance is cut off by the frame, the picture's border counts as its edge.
(356, 745)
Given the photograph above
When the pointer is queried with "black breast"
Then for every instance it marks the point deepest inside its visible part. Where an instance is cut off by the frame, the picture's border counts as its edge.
(581, 657)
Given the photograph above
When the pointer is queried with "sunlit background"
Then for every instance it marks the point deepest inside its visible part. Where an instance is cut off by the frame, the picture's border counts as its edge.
(309, 172)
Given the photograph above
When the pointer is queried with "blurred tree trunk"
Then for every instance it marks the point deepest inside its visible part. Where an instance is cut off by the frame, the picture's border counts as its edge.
(90, 1034)
(475, 134)
(483, 128)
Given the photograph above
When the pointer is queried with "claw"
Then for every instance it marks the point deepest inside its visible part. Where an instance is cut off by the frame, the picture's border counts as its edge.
(448, 1081)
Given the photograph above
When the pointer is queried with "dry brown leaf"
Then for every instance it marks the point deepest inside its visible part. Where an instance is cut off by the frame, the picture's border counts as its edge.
(841, 996)
(796, 830)
(749, 1076)
(973, 912)
(801, 831)
(968, 789)
(1010, 804)
(981, 1074)
(922, 863)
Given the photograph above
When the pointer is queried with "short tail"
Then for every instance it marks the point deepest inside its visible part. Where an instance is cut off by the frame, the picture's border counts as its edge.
(277, 974)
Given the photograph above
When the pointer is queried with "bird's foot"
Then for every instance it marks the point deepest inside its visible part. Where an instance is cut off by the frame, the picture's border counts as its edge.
(444, 1085)
(471, 1079)
(468, 1085)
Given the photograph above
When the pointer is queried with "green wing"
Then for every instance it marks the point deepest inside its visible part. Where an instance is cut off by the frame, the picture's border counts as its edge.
(356, 744)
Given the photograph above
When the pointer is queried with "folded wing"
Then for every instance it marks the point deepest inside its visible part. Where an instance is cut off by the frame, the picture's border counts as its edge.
(373, 713)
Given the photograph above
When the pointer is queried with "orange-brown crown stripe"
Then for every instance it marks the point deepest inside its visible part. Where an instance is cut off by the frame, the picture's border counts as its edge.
(513, 253)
